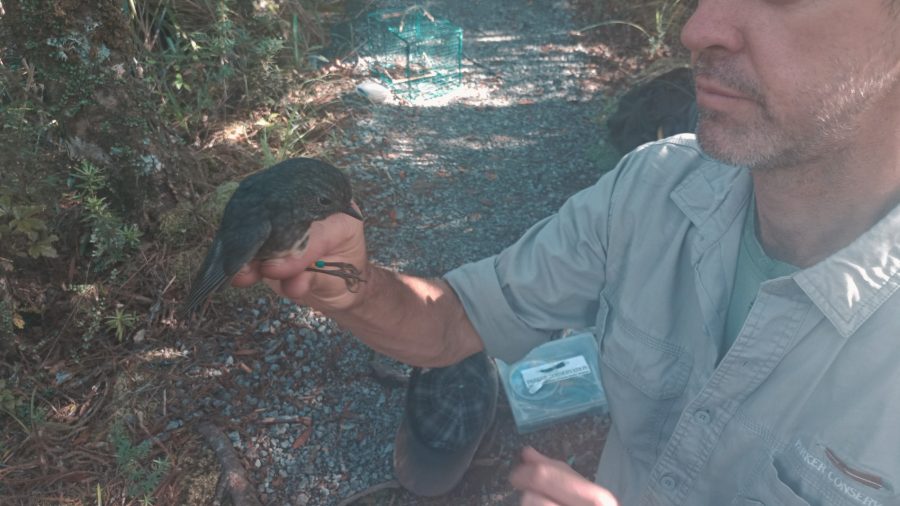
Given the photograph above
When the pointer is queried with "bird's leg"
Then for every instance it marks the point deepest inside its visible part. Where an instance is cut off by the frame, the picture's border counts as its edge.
(342, 270)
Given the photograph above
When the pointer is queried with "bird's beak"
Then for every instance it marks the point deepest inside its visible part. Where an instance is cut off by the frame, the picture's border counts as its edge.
(353, 212)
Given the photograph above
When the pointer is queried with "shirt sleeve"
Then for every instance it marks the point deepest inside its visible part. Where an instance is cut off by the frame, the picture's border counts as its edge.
(548, 280)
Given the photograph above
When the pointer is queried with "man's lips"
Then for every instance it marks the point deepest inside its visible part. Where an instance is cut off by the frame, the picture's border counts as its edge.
(713, 95)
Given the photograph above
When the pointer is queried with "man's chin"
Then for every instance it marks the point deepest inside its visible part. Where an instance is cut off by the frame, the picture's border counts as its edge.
(719, 150)
(753, 143)
(728, 146)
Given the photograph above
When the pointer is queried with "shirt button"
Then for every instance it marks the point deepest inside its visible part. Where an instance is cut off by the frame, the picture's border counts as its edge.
(668, 482)
(702, 416)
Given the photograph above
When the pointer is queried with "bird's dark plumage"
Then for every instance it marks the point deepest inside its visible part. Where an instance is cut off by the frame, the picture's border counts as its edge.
(269, 216)
(660, 107)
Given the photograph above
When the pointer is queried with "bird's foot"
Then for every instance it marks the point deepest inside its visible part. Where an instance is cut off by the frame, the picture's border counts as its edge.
(342, 270)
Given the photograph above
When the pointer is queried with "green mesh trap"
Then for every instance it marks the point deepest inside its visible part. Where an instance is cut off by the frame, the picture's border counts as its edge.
(413, 53)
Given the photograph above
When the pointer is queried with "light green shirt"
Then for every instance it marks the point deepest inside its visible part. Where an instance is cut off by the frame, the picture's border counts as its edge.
(802, 409)
(753, 267)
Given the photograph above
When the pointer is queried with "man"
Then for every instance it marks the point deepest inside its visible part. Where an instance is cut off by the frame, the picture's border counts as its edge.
(744, 294)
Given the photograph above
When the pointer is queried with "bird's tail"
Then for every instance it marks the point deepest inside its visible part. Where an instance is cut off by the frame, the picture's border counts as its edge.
(210, 277)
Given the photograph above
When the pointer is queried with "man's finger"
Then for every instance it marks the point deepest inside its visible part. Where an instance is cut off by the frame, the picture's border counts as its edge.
(326, 236)
(529, 454)
(248, 275)
(298, 286)
(291, 266)
(532, 499)
(559, 486)
(556, 482)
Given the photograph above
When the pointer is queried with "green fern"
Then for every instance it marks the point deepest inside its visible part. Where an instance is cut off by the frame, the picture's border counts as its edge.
(141, 480)
(110, 239)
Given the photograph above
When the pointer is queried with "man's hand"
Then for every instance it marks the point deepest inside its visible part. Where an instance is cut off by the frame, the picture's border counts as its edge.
(338, 238)
(415, 320)
(548, 482)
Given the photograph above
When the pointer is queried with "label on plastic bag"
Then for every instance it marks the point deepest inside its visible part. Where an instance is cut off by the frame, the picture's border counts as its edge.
(572, 367)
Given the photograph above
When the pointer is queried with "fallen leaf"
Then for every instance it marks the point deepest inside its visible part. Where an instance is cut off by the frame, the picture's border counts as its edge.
(302, 438)
(82, 438)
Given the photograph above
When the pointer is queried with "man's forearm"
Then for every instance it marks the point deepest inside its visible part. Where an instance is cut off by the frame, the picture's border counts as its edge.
(415, 320)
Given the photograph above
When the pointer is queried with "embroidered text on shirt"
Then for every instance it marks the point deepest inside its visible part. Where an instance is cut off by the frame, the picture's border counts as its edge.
(835, 478)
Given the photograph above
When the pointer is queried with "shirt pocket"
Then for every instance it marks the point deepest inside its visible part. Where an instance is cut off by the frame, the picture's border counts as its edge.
(787, 480)
(768, 490)
(644, 378)
(808, 471)
(656, 368)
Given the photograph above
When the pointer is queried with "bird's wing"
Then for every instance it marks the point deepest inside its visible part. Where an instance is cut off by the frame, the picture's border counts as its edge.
(229, 251)
(241, 243)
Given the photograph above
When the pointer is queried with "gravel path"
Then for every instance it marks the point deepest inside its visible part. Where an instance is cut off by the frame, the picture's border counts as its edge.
(441, 183)
(462, 176)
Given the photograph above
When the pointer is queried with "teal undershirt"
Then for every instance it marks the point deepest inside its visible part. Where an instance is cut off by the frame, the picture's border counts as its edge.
(754, 267)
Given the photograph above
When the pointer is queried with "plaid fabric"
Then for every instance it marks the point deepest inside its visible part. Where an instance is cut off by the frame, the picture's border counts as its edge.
(448, 407)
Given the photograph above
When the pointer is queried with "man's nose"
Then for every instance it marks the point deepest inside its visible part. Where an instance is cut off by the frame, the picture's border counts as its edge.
(715, 24)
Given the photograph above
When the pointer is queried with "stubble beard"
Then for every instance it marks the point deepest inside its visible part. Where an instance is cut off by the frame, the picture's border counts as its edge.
(766, 142)
(749, 145)
(758, 142)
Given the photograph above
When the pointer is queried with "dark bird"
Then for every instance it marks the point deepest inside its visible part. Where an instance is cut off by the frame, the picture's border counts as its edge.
(269, 216)
(663, 106)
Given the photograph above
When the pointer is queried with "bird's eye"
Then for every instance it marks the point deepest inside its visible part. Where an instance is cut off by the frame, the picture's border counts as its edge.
(325, 201)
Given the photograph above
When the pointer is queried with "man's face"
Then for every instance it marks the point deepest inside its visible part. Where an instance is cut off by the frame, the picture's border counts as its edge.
(787, 82)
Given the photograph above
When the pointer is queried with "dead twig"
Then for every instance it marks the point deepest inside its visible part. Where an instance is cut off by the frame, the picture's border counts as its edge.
(273, 420)
(239, 488)
(369, 491)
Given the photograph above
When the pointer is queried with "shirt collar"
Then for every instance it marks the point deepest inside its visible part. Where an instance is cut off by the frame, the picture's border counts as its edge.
(848, 286)
(712, 198)
(854, 282)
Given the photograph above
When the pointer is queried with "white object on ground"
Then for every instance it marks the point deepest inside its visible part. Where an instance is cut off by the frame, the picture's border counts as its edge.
(373, 91)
